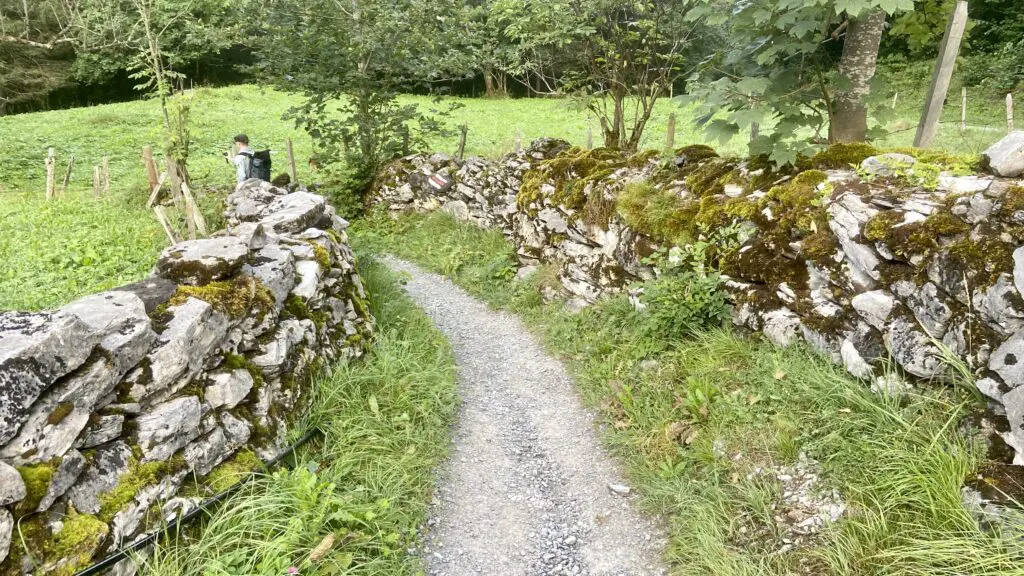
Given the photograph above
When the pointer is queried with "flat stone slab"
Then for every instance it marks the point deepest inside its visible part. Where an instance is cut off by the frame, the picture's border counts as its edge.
(36, 348)
(1006, 157)
(295, 212)
(199, 262)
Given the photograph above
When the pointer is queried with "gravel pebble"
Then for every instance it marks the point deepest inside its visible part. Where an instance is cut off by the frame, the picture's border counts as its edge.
(526, 488)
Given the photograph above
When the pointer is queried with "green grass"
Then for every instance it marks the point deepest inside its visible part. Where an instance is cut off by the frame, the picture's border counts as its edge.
(385, 422)
(694, 418)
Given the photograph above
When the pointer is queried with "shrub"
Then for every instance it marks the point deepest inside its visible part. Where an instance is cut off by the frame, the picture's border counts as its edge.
(685, 297)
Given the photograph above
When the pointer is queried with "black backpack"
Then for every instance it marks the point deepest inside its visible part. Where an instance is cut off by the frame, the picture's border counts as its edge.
(259, 164)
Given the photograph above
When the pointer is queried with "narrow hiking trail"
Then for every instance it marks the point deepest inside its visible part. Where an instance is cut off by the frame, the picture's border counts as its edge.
(526, 489)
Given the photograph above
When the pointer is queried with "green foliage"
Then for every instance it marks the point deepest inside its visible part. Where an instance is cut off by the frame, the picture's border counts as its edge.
(386, 424)
(694, 418)
(139, 476)
(360, 55)
(685, 297)
(781, 72)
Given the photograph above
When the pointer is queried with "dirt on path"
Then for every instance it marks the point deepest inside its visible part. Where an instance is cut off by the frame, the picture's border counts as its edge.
(528, 489)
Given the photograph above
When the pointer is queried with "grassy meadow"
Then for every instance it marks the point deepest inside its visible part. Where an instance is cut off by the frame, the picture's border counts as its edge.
(53, 252)
(697, 418)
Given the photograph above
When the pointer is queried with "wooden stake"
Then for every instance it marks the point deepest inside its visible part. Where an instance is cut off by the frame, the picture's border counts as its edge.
(156, 190)
(1009, 112)
(963, 110)
(67, 176)
(151, 171)
(895, 98)
(928, 127)
(96, 181)
(670, 133)
(519, 141)
(590, 137)
(162, 219)
(291, 162)
(51, 185)
(106, 175)
(462, 140)
(190, 206)
(175, 179)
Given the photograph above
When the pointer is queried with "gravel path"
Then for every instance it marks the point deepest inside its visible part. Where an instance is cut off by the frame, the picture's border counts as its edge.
(528, 488)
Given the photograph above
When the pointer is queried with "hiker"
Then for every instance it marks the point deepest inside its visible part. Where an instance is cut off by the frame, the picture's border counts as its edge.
(249, 164)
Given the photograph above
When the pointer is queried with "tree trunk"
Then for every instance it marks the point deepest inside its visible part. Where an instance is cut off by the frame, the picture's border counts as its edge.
(502, 84)
(488, 83)
(849, 122)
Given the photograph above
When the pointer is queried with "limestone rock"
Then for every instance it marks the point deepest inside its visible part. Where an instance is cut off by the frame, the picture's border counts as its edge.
(874, 307)
(1008, 361)
(853, 361)
(120, 318)
(153, 291)
(274, 267)
(294, 212)
(71, 466)
(168, 427)
(913, 349)
(931, 312)
(207, 452)
(106, 428)
(6, 530)
(309, 273)
(457, 209)
(781, 326)
(990, 387)
(55, 421)
(12, 488)
(1013, 401)
(886, 165)
(36, 348)
(191, 335)
(228, 388)
(1018, 270)
(1006, 157)
(963, 184)
(199, 262)
(109, 463)
(1002, 305)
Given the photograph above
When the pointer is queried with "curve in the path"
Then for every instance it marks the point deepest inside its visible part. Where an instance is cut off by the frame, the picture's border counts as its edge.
(526, 488)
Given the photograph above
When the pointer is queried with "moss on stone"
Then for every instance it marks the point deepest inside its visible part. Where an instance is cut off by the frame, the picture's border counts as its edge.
(655, 212)
(598, 210)
(37, 482)
(321, 255)
(59, 413)
(139, 476)
(237, 362)
(695, 153)
(984, 260)
(706, 179)
(569, 173)
(915, 238)
(820, 247)
(235, 297)
(297, 307)
(841, 155)
(80, 536)
(232, 471)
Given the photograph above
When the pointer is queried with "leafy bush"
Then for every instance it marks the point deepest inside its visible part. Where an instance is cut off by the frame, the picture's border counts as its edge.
(686, 296)
(1002, 70)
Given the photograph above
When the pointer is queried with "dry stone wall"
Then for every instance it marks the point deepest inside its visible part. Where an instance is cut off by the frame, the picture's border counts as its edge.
(119, 410)
(877, 259)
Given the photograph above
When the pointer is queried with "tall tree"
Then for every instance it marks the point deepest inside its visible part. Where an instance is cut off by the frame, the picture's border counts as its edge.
(35, 49)
(800, 70)
(618, 57)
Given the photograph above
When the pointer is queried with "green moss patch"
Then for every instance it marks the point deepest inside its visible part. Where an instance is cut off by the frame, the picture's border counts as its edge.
(138, 477)
(838, 156)
(570, 172)
(235, 297)
(916, 238)
(232, 471)
(655, 212)
(70, 549)
(321, 255)
(297, 307)
(37, 482)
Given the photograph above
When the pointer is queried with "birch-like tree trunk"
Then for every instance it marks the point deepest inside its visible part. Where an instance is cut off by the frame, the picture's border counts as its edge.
(849, 122)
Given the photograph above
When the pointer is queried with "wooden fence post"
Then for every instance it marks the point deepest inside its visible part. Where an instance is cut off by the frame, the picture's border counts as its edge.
(51, 183)
(895, 98)
(291, 162)
(948, 50)
(519, 141)
(162, 219)
(462, 140)
(96, 181)
(963, 110)
(191, 206)
(670, 133)
(67, 176)
(151, 171)
(106, 175)
(1009, 112)
(590, 137)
